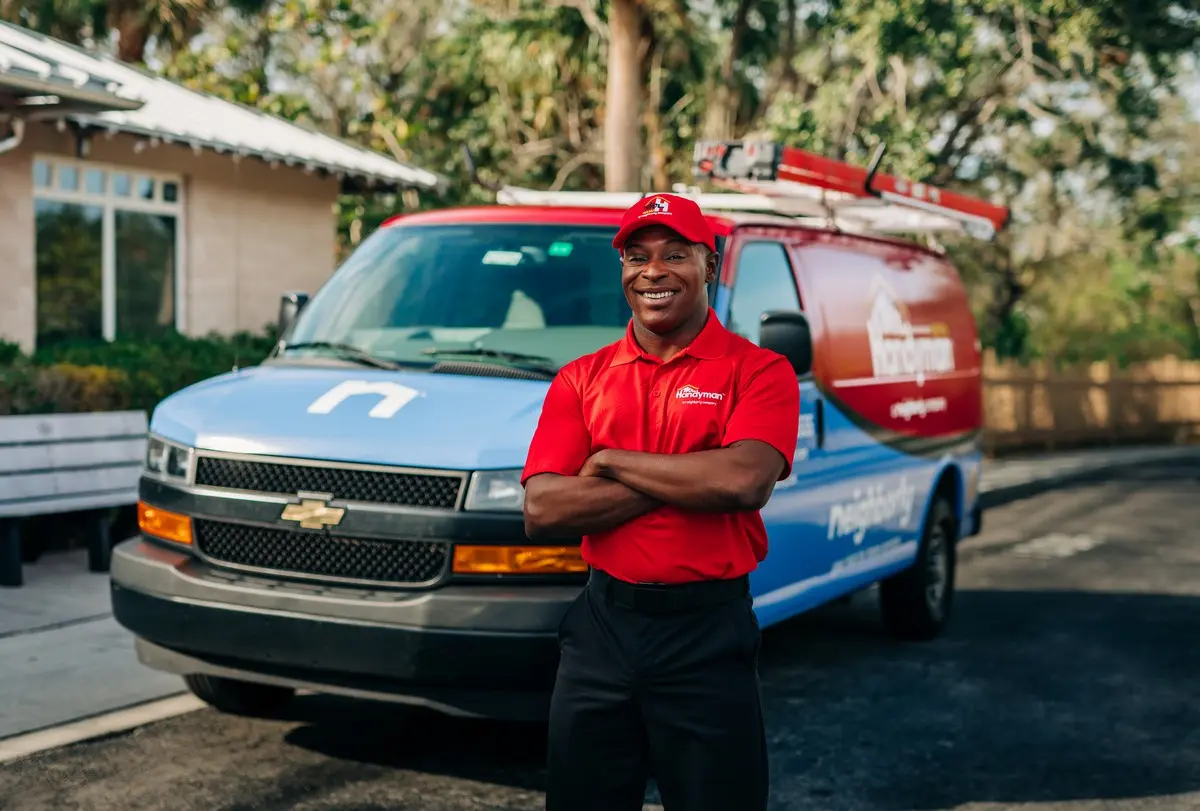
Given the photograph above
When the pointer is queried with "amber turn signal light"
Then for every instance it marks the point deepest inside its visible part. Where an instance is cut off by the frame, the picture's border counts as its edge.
(518, 560)
(162, 524)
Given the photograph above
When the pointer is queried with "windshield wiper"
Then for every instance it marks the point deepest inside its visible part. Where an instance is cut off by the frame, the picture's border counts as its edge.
(347, 351)
(515, 357)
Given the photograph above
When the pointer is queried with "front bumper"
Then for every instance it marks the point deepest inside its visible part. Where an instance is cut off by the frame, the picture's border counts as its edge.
(479, 649)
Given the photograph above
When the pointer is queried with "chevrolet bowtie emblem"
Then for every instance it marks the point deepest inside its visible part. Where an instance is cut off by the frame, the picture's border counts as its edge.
(313, 513)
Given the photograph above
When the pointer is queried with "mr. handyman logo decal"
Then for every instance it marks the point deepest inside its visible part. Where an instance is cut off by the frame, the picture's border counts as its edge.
(691, 395)
(393, 397)
(902, 349)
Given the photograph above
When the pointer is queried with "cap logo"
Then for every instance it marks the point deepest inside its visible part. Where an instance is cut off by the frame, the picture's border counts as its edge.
(656, 206)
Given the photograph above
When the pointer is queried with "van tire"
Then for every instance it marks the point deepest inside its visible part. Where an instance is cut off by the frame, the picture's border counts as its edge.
(239, 697)
(916, 604)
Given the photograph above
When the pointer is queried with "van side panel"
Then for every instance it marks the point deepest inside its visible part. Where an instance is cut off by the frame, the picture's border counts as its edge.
(897, 364)
(898, 349)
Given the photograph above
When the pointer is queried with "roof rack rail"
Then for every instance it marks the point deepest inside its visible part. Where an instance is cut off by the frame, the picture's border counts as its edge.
(816, 186)
(519, 196)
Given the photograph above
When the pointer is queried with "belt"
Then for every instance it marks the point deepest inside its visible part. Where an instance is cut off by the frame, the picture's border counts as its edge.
(662, 598)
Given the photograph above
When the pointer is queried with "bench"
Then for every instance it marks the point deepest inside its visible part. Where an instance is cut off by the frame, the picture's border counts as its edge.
(61, 463)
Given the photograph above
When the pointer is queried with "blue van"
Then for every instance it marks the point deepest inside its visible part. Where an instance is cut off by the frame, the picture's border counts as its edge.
(346, 516)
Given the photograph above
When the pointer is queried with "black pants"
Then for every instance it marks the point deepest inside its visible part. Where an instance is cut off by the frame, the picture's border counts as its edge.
(673, 693)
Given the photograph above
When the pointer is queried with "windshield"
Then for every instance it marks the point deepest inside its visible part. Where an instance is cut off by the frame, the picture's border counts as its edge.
(496, 290)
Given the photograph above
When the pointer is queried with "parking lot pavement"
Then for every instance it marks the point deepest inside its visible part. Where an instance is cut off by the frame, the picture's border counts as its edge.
(1067, 683)
(63, 657)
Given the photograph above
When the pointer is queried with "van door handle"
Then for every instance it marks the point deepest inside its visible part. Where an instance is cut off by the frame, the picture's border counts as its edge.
(820, 421)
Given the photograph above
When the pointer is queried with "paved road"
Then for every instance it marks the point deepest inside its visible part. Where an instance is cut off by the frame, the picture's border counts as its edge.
(1069, 683)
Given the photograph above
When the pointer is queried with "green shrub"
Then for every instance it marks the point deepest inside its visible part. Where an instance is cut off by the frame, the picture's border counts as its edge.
(125, 374)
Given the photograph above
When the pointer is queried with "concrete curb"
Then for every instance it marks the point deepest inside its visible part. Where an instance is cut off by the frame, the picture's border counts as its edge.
(1007, 494)
(92, 727)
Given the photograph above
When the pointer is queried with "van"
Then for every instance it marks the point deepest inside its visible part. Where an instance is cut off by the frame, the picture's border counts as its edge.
(346, 516)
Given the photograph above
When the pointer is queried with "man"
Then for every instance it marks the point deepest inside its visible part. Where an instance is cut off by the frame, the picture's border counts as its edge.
(659, 450)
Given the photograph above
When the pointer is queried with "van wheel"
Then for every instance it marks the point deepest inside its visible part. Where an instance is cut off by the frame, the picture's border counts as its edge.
(916, 603)
(239, 697)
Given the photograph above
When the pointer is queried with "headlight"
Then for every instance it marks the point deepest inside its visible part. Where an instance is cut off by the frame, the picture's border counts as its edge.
(498, 490)
(168, 461)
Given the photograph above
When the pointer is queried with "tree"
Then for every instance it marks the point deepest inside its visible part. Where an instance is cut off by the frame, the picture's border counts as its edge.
(623, 96)
(171, 24)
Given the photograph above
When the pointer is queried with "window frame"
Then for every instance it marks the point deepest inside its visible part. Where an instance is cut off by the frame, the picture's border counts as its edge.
(109, 203)
(735, 267)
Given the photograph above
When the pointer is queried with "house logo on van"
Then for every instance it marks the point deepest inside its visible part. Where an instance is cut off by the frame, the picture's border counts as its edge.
(901, 349)
(691, 394)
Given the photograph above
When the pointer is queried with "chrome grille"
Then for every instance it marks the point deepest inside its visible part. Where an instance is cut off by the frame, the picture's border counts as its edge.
(352, 484)
(318, 554)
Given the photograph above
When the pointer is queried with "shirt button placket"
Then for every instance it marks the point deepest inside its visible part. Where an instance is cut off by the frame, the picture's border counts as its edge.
(660, 402)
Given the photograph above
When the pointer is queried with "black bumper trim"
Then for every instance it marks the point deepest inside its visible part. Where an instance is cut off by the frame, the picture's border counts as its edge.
(353, 654)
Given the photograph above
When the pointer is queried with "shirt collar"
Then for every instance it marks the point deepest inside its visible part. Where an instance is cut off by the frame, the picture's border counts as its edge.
(710, 344)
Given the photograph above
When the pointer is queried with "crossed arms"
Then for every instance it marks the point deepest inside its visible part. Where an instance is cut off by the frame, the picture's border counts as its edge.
(571, 490)
(615, 486)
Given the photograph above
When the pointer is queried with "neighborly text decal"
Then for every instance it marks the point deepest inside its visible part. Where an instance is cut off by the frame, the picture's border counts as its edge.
(877, 506)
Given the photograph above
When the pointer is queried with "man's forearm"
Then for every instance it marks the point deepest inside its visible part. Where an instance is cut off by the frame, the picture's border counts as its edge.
(740, 477)
(571, 506)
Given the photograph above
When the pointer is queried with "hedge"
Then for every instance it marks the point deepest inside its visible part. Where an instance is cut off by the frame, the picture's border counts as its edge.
(125, 374)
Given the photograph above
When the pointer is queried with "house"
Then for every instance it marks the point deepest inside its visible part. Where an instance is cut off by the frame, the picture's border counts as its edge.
(131, 206)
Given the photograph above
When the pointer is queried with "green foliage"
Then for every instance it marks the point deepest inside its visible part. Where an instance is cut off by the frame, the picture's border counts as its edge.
(99, 376)
(1068, 111)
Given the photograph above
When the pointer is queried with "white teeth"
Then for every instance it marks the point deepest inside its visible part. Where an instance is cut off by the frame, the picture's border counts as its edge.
(663, 294)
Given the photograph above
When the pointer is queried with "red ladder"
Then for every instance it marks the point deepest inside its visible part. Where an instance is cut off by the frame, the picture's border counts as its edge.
(816, 185)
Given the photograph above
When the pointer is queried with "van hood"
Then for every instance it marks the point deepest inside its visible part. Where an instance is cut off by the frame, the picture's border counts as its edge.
(415, 419)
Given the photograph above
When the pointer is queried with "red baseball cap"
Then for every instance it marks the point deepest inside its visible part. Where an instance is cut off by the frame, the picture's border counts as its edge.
(680, 214)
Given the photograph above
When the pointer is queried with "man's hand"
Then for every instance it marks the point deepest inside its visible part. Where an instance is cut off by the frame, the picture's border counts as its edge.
(593, 466)
(570, 506)
(739, 477)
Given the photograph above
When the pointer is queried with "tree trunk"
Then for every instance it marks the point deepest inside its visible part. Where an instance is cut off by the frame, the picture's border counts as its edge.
(721, 120)
(791, 79)
(623, 95)
(660, 178)
(132, 34)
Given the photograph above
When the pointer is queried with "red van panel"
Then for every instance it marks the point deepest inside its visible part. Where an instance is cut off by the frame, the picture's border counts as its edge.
(896, 345)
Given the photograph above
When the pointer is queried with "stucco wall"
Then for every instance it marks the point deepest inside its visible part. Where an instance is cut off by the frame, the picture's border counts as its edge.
(250, 231)
(16, 247)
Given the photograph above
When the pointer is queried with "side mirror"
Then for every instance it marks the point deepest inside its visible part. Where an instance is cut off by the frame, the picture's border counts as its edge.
(290, 305)
(787, 332)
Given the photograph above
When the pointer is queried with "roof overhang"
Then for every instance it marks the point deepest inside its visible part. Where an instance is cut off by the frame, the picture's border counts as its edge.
(45, 79)
(35, 89)
(351, 180)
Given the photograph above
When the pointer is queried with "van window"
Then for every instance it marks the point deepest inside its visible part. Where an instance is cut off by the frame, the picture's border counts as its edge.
(549, 290)
(763, 281)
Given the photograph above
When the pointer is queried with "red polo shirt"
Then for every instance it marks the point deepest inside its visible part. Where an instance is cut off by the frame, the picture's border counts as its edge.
(719, 390)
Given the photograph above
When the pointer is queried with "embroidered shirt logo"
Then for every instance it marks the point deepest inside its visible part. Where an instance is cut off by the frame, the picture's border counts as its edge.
(690, 394)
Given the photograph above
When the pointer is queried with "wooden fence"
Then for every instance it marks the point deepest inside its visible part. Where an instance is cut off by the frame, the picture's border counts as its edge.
(1037, 406)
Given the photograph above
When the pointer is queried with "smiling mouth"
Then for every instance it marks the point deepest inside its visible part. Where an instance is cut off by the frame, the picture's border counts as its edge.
(658, 295)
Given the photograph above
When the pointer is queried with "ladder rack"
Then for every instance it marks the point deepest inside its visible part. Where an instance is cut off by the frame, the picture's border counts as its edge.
(877, 201)
(768, 178)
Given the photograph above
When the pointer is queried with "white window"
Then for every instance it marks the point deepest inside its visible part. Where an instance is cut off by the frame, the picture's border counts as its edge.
(109, 242)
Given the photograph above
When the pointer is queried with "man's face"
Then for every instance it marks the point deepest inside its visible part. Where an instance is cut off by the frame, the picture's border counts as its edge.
(664, 277)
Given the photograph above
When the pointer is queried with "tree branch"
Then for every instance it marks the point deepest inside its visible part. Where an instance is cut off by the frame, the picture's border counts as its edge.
(856, 107)
(900, 78)
(571, 166)
(590, 17)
